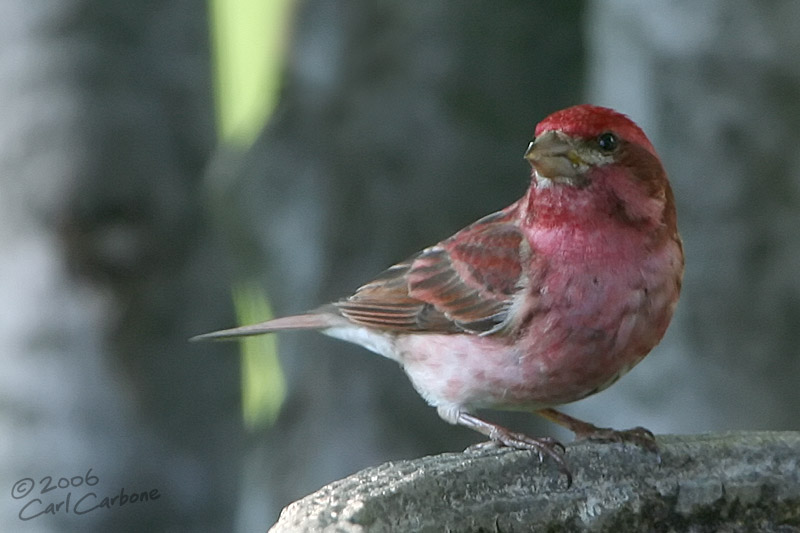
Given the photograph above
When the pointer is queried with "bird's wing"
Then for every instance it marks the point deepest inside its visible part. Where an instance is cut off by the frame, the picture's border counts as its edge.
(466, 283)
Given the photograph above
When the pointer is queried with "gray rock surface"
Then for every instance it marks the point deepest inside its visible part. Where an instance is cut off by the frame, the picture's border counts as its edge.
(742, 481)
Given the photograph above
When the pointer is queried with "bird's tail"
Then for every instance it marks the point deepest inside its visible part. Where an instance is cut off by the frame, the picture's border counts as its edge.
(313, 320)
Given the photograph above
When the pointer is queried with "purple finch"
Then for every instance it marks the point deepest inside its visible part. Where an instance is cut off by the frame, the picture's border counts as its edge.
(545, 302)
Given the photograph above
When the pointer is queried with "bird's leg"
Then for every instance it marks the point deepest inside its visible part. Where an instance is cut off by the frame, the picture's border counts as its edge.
(584, 430)
(500, 436)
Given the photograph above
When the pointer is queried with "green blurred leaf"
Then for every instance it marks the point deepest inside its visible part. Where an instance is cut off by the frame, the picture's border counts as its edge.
(263, 383)
(248, 41)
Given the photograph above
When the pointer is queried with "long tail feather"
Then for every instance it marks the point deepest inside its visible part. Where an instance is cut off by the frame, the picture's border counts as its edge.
(307, 321)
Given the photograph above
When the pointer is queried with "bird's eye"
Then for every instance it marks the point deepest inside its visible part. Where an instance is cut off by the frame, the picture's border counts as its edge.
(607, 141)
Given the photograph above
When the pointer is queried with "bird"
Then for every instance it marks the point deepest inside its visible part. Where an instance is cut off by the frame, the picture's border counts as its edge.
(540, 304)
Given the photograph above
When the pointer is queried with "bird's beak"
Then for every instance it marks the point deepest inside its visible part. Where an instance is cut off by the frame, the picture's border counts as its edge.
(552, 154)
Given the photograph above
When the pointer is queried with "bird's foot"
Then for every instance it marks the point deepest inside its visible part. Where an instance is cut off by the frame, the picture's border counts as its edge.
(502, 437)
(638, 436)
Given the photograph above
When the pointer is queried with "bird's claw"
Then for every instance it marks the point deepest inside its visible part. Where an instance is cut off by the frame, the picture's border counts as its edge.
(483, 445)
(542, 446)
(500, 436)
(638, 436)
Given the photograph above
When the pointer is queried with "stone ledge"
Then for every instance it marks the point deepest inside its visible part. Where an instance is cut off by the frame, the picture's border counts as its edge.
(744, 481)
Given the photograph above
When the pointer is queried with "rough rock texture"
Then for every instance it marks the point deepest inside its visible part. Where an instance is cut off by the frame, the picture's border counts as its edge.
(715, 482)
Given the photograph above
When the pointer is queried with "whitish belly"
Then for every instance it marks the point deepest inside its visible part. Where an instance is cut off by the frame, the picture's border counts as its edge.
(574, 346)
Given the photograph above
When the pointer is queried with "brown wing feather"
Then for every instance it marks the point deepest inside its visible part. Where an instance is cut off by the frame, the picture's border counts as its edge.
(463, 284)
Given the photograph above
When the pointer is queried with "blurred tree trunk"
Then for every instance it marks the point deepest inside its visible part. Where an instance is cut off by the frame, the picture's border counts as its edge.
(399, 123)
(107, 126)
(716, 84)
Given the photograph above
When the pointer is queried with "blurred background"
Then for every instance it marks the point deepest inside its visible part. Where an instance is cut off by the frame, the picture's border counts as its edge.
(171, 167)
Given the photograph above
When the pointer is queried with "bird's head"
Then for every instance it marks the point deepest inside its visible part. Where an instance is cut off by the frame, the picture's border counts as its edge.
(603, 151)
